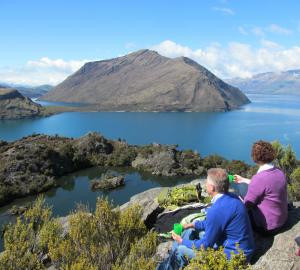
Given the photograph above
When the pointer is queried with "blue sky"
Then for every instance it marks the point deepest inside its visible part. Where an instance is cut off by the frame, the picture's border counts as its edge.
(45, 41)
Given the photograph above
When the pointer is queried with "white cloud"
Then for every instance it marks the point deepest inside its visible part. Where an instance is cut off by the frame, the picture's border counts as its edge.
(226, 11)
(130, 45)
(237, 59)
(233, 60)
(42, 71)
(276, 29)
(270, 44)
(258, 31)
(242, 30)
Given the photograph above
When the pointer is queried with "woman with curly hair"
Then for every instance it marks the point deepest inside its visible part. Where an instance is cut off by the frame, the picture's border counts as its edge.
(266, 197)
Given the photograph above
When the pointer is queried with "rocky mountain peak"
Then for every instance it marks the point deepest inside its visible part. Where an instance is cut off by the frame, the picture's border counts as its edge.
(146, 81)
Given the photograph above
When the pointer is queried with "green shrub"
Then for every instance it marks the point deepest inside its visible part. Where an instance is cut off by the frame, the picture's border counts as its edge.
(21, 239)
(213, 161)
(237, 167)
(105, 239)
(211, 259)
(294, 185)
(178, 196)
(285, 158)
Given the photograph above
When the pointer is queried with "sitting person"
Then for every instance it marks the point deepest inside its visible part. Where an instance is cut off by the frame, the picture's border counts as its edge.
(266, 197)
(226, 224)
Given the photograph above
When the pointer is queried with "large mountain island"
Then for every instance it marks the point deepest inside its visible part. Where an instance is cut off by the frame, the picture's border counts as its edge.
(283, 83)
(147, 81)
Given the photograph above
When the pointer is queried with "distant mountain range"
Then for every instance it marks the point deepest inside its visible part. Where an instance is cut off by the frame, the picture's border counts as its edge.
(283, 83)
(147, 81)
(30, 91)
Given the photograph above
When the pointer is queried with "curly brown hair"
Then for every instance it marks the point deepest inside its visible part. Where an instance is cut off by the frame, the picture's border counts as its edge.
(262, 152)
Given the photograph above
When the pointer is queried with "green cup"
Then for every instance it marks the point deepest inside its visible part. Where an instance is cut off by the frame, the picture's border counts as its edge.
(231, 178)
(178, 228)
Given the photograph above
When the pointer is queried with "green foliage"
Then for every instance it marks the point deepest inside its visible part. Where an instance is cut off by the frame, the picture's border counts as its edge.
(189, 159)
(213, 161)
(288, 162)
(146, 151)
(285, 158)
(21, 239)
(211, 259)
(237, 167)
(102, 239)
(178, 196)
(140, 252)
(294, 185)
(122, 155)
(105, 239)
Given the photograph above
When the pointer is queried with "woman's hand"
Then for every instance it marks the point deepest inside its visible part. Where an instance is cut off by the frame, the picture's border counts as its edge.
(177, 238)
(239, 179)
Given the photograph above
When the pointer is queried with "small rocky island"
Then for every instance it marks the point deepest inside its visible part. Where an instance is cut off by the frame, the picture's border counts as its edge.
(147, 81)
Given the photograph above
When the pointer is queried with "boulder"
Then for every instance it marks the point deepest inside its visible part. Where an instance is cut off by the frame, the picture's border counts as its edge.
(148, 202)
(278, 252)
(108, 183)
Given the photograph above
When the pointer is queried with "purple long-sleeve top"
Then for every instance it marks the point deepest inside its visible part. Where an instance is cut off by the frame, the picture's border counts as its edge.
(268, 191)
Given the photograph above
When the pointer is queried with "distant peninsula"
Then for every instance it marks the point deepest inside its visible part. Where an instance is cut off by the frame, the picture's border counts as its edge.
(14, 105)
(147, 81)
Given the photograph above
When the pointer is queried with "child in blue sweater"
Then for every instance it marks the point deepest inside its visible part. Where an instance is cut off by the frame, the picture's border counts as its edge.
(226, 224)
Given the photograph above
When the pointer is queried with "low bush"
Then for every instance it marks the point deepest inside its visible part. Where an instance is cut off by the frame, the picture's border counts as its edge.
(294, 185)
(211, 259)
(105, 239)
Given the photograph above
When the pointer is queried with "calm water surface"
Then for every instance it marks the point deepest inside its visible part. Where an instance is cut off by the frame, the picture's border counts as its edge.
(229, 134)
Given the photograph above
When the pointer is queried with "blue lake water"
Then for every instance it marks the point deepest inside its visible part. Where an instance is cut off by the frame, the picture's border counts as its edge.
(229, 134)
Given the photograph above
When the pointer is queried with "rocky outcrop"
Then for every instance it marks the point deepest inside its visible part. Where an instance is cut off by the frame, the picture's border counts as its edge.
(147, 81)
(149, 205)
(278, 252)
(166, 160)
(15, 106)
(108, 183)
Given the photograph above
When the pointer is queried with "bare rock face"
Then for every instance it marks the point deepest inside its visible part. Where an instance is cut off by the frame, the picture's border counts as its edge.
(147, 81)
(278, 252)
(15, 106)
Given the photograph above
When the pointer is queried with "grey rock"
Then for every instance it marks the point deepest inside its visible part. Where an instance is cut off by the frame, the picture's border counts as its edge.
(278, 252)
(109, 183)
(162, 251)
(147, 81)
(65, 225)
(147, 201)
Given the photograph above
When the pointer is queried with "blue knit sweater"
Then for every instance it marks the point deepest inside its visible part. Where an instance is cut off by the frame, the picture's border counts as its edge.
(226, 224)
